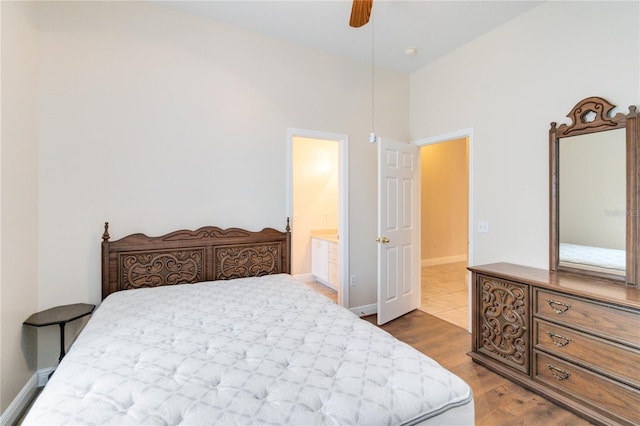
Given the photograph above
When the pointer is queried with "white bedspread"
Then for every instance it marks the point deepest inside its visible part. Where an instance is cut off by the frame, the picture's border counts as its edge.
(593, 256)
(249, 351)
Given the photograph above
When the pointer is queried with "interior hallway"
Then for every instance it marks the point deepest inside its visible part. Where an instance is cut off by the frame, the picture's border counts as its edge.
(445, 293)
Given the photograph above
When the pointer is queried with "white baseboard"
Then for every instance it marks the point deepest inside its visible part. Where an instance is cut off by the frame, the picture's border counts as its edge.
(43, 375)
(443, 260)
(365, 310)
(39, 379)
(304, 278)
(10, 415)
(326, 284)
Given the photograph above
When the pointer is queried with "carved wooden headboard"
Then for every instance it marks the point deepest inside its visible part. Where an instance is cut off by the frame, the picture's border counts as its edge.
(186, 257)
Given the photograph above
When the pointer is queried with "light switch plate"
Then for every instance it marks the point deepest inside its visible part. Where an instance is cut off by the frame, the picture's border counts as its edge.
(483, 227)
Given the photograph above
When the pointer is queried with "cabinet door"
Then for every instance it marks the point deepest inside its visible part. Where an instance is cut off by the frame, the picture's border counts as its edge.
(320, 259)
(502, 321)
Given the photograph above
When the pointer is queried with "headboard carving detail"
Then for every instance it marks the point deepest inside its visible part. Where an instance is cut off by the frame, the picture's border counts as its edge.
(207, 233)
(234, 262)
(161, 268)
(183, 257)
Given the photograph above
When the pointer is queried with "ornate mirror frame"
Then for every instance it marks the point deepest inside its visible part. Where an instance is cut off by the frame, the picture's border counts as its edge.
(583, 123)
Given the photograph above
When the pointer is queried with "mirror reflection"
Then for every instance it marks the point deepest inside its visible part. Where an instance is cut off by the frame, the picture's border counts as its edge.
(592, 198)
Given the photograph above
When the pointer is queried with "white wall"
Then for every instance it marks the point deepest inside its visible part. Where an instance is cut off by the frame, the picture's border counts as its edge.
(508, 86)
(18, 200)
(156, 120)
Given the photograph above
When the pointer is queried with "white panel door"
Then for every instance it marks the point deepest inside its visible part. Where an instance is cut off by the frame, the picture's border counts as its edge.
(398, 229)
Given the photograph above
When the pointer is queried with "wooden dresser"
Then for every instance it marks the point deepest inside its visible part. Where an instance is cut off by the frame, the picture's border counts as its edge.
(571, 338)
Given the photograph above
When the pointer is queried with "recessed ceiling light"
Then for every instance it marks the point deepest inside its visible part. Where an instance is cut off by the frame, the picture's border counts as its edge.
(410, 51)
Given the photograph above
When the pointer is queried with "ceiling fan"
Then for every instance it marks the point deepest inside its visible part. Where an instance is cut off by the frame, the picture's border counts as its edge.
(360, 12)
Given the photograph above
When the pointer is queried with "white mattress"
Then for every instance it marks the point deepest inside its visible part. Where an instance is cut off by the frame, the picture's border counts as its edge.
(596, 257)
(248, 351)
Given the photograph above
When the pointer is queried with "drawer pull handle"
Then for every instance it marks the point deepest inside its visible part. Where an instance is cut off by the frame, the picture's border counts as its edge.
(558, 373)
(558, 307)
(558, 340)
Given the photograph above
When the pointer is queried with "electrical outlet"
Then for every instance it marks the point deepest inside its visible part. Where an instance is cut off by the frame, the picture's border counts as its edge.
(483, 227)
(352, 279)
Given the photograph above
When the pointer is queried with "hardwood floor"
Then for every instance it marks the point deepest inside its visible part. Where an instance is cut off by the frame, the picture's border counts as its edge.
(497, 400)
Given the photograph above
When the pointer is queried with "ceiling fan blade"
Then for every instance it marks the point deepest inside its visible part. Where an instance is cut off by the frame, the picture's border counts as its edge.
(360, 12)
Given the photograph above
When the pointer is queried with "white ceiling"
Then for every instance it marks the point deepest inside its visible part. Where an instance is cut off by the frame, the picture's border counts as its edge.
(434, 28)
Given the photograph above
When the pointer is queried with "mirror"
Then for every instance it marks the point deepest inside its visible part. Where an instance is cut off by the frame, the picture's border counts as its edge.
(594, 192)
(592, 198)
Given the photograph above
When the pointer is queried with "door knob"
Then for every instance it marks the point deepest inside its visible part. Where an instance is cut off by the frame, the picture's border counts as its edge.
(383, 240)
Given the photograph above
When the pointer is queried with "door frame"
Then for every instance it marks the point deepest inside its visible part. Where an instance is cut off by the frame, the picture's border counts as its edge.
(458, 134)
(343, 198)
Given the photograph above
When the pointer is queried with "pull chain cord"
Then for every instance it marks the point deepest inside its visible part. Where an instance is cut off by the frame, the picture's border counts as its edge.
(372, 137)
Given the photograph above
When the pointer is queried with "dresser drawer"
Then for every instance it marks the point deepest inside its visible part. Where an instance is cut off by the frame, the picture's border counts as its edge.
(615, 399)
(618, 361)
(603, 320)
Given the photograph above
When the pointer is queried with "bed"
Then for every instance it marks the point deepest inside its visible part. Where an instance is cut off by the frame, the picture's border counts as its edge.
(243, 344)
(600, 259)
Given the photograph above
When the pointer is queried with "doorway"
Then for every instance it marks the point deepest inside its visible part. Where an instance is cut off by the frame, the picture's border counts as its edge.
(446, 223)
(317, 205)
